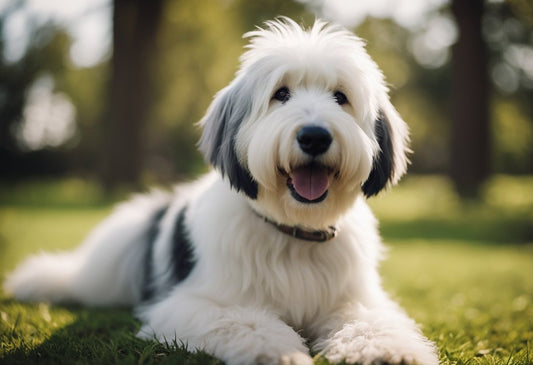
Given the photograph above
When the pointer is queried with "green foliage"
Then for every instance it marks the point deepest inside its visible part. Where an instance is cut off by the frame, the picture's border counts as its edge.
(463, 271)
(45, 54)
(197, 54)
(514, 133)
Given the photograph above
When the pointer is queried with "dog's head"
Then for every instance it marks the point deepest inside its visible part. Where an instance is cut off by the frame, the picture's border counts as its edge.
(306, 126)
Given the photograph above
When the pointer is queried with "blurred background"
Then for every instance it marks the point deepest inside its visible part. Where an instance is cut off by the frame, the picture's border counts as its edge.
(109, 90)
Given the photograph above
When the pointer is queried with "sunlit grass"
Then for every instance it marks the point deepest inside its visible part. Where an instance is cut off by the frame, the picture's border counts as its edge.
(475, 301)
(463, 271)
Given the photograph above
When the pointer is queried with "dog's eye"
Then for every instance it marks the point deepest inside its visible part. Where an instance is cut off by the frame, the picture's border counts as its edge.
(340, 98)
(282, 94)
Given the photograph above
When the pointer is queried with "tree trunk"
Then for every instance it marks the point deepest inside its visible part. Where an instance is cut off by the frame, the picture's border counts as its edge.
(135, 27)
(470, 138)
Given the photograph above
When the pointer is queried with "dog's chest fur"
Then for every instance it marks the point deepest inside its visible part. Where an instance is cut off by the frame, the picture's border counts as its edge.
(299, 280)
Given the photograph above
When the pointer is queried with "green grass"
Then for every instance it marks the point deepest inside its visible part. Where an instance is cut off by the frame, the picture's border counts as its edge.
(463, 271)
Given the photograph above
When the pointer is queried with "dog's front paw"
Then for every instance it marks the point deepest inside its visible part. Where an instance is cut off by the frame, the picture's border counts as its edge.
(296, 358)
(259, 350)
(355, 344)
(266, 353)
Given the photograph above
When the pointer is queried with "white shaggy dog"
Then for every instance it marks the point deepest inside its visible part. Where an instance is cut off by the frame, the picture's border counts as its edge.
(276, 254)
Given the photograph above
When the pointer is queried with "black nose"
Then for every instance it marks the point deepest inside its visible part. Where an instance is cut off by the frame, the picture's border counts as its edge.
(314, 140)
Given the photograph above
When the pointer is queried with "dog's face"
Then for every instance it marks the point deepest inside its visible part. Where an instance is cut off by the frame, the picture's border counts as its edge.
(306, 126)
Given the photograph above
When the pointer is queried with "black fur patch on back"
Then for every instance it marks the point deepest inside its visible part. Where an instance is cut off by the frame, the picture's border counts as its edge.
(183, 260)
(151, 236)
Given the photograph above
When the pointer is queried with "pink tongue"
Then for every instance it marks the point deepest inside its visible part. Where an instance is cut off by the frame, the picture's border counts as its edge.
(310, 182)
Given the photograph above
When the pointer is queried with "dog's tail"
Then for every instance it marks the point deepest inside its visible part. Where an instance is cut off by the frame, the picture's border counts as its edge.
(107, 269)
(44, 277)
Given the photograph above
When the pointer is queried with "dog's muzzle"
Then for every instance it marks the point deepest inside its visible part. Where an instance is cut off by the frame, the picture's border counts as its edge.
(309, 183)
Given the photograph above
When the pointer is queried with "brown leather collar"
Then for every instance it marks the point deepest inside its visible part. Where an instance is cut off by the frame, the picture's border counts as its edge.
(300, 233)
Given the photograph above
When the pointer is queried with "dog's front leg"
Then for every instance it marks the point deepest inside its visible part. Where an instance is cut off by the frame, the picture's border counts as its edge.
(237, 335)
(374, 336)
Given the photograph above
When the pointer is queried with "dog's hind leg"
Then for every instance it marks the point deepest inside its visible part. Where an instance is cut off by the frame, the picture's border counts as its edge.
(107, 269)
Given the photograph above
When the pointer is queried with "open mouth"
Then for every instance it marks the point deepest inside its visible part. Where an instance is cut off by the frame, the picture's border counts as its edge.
(310, 183)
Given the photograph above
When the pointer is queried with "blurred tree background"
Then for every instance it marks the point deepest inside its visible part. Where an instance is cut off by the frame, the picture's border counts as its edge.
(461, 75)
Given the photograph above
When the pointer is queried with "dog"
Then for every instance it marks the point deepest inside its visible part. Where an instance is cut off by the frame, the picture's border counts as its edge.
(274, 254)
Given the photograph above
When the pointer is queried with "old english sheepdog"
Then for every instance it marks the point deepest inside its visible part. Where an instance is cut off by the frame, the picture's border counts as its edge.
(273, 257)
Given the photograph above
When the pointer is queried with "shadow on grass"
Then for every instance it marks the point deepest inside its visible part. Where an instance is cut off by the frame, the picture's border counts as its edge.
(100, 336)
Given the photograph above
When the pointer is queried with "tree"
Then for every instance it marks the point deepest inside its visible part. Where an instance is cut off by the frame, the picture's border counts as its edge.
(135, 28)
(470, 135)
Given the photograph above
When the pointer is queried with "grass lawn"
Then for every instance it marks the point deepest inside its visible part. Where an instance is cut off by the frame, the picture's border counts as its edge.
(464, 271)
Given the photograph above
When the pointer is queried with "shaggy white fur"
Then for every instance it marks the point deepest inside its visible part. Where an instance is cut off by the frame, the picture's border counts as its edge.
(300, 137)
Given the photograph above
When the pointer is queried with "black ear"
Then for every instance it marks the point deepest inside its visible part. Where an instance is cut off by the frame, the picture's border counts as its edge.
(220, 126)
(383, 166)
